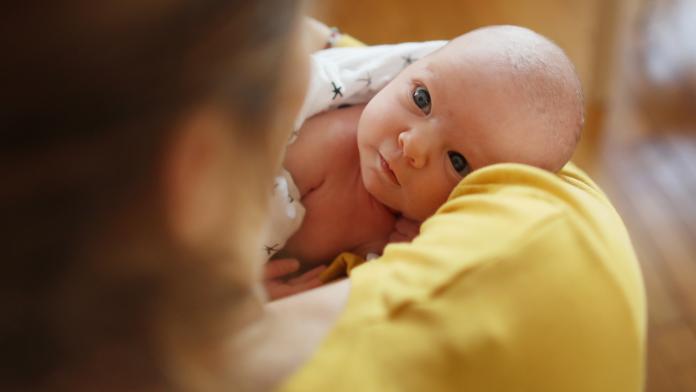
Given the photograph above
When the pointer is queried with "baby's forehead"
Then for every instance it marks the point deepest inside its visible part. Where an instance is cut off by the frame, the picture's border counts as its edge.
(457, 61)
(452, 74)
(502, 51)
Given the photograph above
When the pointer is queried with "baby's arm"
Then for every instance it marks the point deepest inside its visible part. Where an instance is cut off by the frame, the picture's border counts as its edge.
(305, 158)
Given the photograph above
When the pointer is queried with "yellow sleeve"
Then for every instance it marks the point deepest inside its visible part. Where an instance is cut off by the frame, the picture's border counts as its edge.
(346, 40)
(523, 281)
(341, 266)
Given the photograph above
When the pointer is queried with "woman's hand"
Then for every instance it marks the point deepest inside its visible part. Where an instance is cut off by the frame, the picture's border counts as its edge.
(317, 33)
(278, 285)
(405, 230)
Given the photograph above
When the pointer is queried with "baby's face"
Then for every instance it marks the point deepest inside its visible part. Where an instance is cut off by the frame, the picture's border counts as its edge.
(429, 128)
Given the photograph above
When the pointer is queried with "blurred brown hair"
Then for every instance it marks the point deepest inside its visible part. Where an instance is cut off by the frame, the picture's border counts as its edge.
(90, 90)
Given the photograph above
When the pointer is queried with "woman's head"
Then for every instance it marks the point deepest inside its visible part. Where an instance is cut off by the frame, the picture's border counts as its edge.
(138, 143)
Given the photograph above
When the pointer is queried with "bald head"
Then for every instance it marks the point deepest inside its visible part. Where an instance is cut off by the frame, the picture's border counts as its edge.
(536, 82)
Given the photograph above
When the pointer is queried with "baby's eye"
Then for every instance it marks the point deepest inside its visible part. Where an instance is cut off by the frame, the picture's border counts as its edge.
(459, 163)
(421, 97)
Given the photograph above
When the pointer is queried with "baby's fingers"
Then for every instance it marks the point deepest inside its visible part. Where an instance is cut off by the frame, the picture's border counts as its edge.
(277, 289)
(407, 225)
(308, 276)
(280, 267)
(398, 237)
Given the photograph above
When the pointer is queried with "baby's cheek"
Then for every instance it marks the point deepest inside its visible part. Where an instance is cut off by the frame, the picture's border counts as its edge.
(376, 118)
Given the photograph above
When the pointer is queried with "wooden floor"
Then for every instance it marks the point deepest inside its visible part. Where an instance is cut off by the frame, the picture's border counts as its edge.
(648, 166)
(652, 182)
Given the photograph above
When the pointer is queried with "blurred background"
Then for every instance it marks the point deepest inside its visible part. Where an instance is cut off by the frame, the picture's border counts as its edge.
(637, 62)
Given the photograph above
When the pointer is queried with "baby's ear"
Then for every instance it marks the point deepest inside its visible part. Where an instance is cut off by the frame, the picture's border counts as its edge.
(194, 166)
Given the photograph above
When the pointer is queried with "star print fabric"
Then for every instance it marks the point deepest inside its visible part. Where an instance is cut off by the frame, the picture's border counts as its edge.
(349, 76)
(338, 77)
(286, 212)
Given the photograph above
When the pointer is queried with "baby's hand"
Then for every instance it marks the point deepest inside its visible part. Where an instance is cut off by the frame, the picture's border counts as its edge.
(404, 230)
(278, 287)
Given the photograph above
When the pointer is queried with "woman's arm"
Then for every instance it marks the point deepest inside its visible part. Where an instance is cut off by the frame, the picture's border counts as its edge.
(321, 36)
(289, 333)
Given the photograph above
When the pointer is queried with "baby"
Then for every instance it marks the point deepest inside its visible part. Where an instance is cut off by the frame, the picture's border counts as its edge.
(497, 94)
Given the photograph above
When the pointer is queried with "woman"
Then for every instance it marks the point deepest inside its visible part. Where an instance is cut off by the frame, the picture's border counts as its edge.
(126, 126)
(138, 146)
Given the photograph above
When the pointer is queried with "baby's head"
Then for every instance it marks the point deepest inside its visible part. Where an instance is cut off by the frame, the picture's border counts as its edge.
(497, 94)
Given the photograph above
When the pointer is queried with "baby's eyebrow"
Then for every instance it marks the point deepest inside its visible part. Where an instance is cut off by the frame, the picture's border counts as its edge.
(428, 69)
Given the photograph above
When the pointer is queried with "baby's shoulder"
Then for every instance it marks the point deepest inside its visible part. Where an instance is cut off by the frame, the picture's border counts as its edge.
(337, 129)
(326, 146)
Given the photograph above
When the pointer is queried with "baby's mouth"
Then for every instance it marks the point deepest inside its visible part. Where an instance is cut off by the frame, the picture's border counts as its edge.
(384, 165)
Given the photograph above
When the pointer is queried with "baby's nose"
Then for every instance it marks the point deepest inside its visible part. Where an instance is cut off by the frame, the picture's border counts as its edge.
(413, 149)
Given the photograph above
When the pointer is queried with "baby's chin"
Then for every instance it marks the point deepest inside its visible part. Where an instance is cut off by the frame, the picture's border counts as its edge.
(392, 210)
(372, 189)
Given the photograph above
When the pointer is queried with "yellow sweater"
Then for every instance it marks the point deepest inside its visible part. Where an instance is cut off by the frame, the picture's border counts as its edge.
(523, 281)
